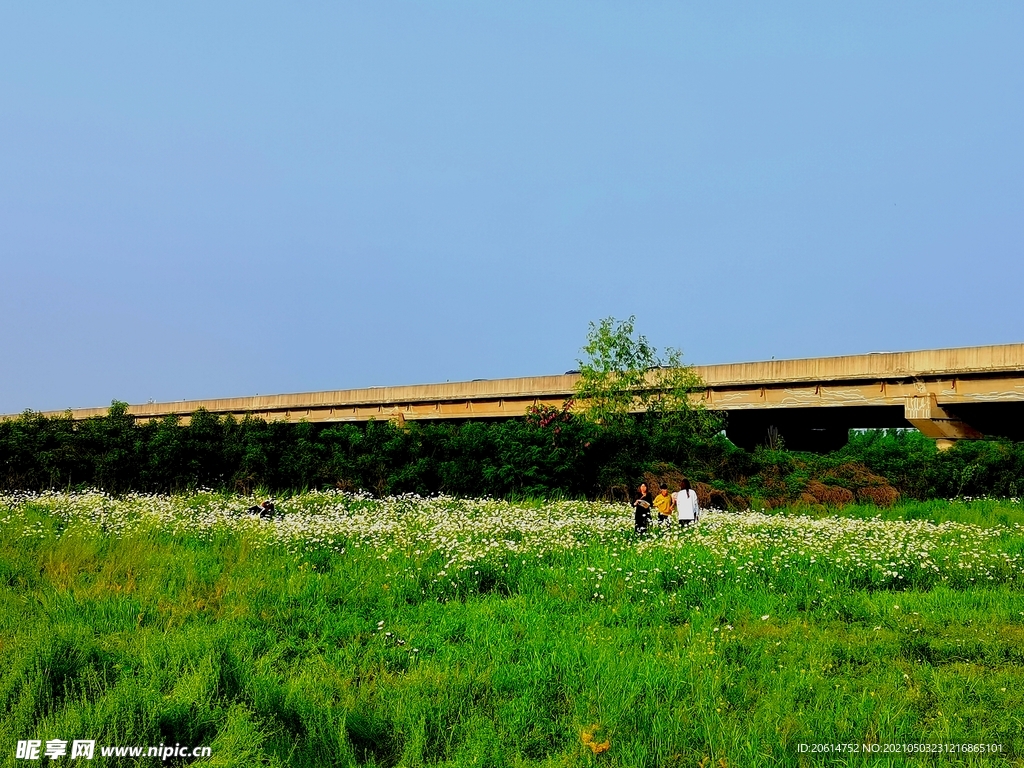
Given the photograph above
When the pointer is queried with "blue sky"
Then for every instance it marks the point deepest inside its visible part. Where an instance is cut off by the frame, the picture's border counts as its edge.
(215, 199)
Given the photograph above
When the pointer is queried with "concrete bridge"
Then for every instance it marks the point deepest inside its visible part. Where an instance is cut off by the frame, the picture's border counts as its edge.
(812, 403)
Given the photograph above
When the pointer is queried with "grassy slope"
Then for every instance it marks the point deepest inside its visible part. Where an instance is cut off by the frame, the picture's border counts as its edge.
(280, 659)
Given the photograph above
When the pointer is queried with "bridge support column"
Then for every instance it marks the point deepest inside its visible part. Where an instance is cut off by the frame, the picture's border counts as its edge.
(924, 412)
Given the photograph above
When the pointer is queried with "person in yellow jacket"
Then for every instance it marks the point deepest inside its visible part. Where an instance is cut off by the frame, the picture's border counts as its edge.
(663, 503)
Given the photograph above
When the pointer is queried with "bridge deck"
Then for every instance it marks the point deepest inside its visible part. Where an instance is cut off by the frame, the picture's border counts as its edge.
(907, 381)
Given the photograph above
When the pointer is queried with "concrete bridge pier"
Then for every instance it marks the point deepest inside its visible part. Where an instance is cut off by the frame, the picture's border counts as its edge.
(924, 412)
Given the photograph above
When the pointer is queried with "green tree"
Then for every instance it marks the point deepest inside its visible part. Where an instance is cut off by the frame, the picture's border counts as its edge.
(115, 447)
(623, 375)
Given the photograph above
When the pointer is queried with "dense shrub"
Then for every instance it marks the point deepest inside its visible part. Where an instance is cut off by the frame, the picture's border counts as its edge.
(551, 452)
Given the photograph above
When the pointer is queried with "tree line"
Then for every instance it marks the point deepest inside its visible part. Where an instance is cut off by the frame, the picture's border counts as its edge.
(550, 452)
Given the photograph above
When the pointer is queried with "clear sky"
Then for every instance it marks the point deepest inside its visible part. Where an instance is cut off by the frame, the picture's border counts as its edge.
(218, 199)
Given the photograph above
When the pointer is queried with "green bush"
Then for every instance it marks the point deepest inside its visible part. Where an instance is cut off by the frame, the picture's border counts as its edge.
(550, 453)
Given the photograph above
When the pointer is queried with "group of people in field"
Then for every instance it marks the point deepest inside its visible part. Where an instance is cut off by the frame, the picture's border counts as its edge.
(682, 504)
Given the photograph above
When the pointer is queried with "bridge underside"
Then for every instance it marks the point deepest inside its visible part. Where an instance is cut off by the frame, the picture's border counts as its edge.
(827, 429)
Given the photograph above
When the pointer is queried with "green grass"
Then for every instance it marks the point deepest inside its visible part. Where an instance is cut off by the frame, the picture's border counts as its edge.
(981, 512)
(370, 649)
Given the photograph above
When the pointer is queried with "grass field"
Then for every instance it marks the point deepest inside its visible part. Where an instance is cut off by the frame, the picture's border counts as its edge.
(410, 631)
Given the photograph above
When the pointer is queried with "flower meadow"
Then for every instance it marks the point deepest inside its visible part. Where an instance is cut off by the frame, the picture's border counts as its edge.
(353, 630)
(465, 534)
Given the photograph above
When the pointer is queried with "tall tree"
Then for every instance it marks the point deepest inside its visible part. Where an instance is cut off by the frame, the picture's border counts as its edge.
(623, 375)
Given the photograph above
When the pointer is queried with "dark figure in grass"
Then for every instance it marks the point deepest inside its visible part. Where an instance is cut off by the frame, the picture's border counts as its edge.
(264, 510)
(642, 509)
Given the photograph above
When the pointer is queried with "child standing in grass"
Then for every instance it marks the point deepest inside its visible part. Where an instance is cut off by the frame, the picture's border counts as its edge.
(663, 503)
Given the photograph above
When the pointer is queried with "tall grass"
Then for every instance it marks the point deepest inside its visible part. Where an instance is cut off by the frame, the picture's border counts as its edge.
(118, 626)
(985, 512)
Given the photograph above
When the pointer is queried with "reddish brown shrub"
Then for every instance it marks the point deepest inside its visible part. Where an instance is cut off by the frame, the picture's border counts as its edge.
(829, 494)
(879, 495)
(663, 473)
(738, 502)
(868, 487)
(704, 492)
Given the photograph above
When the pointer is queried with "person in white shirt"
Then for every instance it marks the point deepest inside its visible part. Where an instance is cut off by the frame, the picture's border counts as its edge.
(687, 508)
